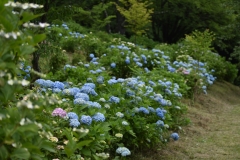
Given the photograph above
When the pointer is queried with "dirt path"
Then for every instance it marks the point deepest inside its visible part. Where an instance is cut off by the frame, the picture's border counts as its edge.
(214, 132)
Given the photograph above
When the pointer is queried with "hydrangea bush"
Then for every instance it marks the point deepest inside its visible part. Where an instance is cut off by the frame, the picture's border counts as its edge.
(24, 133)
(120, 97)
(127, 97)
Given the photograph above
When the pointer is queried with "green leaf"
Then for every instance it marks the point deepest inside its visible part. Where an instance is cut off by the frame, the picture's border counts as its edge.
(83, 143)
(3, 152)
(27, 16)
(48, 146)
(27, 49)
(38, 38)
(132, 133)
(28, 127)
(21, 153)
(86, 152)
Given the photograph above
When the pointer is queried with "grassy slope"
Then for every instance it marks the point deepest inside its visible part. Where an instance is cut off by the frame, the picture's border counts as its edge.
(214, 132)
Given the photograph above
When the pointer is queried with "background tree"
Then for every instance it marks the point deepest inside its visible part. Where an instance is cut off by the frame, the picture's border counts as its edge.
(137, 15)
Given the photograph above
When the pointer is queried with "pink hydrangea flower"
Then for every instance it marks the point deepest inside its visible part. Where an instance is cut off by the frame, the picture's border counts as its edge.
(59, 112)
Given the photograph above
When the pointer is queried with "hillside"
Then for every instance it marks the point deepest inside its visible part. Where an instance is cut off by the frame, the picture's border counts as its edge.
(214, 129)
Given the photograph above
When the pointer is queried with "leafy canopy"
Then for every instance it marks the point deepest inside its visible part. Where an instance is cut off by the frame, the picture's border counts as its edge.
(137, 15)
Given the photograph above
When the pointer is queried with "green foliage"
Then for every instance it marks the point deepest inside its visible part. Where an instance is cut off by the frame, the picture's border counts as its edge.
(143, 41)
(20, 136)
(137, 15)
(57, 61)
(94, 17)
(197, 44)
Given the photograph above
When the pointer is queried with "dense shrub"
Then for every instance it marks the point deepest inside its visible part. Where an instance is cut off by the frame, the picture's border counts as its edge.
(115, 97)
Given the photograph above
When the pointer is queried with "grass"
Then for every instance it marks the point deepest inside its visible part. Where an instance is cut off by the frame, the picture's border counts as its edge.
(214, 131)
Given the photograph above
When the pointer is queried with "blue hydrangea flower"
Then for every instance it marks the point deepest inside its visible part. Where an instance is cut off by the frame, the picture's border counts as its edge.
(94, 59)
(59, 85)
(73, 91)
(143, 110)
(114, 99)
(92, 71)
(91, 85)
(175, 136)
(79, 101)
(127, 61)
(84, 96)
(160, 113)
(98, 117)
(139, 64)
(86, 119)
(120, 80)
(130, 93)
(171, 69)
(88, 90)
(135, 59)
(168, 91)
(69, 66)
(151, 109)
(93, 104)
(152, 83)
(72, 115)
(100, 79)
(86, 65)
(123, 151)
(112, 81)
(99, 71)
(95, 63)
(74, 123)
(48, 83)
(146, 69)
(40, 82)
(91, 55)
(160, 123)
(144, 57)
(168, 83)
(56, 90)
(113, 65)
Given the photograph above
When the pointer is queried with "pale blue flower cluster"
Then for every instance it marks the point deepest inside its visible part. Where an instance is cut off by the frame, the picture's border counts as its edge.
(125, 123)
(93, 104)
(74, 123)
(121, 47)
(98, 117)
(159, 98)
(89, 89)
(79, 101)
(127, 61)
(113, 65)
(143, 110)
(161, 113)
(130, 93)
(65, 26)
(119, 114)
(114, 99)
(86, 119)
(160, 123)
(123, 151)
(69, 66)
(72, 115)
(25, 69)
(175, 136)
(151, 109)
(49, 84)
(83, 96)
(100, 79)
